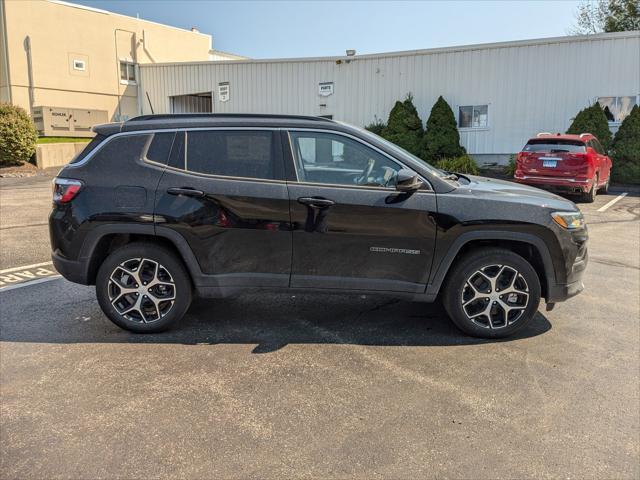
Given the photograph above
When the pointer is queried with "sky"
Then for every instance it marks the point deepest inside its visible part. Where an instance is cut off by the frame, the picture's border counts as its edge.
(278, 29)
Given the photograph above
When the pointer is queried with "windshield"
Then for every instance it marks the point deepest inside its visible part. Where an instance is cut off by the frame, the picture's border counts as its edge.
(560, 145)
(401, 152)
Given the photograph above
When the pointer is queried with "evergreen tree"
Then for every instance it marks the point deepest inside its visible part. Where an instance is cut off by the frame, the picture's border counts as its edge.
(376, 127)
(404, 127)
(625, 149)
(441, 139)
(592, 120)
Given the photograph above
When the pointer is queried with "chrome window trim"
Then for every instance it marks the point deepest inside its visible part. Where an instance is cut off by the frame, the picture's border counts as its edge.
(425, 182)
(224, 177)
(251, 179)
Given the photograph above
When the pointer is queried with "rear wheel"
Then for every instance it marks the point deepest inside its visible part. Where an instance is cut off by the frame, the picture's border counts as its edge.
(590, 196)
(605, 187)
(491, 293)
(143, 288)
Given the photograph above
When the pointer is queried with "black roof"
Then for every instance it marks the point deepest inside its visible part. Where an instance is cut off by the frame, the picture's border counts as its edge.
(194, 120)
(219, 116)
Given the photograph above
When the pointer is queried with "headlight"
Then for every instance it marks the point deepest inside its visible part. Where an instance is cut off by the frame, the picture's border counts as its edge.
(569, 220)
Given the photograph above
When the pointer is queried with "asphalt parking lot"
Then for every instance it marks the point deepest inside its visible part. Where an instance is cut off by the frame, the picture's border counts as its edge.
(281, 386)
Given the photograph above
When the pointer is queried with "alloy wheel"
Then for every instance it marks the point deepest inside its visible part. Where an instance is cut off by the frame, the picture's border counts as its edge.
(495, 296)
(141, 290)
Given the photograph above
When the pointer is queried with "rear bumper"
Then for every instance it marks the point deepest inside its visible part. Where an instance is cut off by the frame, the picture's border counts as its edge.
(72, 270)
(570, 185)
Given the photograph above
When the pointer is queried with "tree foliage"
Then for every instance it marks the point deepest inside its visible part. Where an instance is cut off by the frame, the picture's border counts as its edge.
(462, 164)
(596, 16)
(404, 127)
(377, 126)
(625, 149)
(18, 135)
(592, 120)
(441, 139)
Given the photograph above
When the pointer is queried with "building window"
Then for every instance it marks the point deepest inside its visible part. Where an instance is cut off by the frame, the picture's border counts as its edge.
(79, 65)
(473, 116)
(616, 109)
(127, 72)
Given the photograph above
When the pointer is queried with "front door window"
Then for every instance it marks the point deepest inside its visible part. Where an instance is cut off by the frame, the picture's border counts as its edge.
(337, 160)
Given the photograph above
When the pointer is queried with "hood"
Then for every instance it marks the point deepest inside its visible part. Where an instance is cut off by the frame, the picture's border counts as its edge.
(490, 188)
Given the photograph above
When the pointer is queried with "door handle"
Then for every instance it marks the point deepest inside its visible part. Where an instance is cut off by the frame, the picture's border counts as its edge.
(186, 191)
(316, 202)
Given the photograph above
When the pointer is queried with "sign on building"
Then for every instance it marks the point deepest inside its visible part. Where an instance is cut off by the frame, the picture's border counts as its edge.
(223, 91)
(325, 89)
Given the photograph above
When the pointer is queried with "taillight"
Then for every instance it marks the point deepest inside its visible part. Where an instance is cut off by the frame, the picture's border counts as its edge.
(65, 189)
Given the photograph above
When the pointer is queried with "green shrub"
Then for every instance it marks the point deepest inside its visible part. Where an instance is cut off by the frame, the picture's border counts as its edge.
(592, 120)
(510, 168)
(462, 164)
(404, 127)
(18, 135)
(441, 139)
(376, 127)
(625, 149)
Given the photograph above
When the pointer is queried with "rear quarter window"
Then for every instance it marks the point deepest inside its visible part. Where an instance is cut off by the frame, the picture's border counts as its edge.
(124, 149)
(160, 147)
(559, 145)
(91, 146)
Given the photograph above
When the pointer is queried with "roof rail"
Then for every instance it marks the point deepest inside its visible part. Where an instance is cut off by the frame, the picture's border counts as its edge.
(585, 134)
(544, 133)
(183, 116)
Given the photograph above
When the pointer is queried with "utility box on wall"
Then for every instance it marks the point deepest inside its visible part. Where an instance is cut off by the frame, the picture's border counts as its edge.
(67, 122)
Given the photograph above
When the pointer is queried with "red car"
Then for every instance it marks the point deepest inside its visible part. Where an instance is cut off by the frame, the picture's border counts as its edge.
(566, 163)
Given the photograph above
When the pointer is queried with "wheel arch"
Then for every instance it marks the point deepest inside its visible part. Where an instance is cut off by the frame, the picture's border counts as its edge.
(529, 246)
(104, 239)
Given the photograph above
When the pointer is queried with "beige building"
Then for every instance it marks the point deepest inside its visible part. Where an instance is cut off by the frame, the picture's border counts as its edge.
(57, 54)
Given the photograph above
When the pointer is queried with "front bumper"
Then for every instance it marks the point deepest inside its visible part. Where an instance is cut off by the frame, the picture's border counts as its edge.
(568, 185)
(559, 292)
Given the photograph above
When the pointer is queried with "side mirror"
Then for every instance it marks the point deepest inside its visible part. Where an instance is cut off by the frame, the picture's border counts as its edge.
(407, 181)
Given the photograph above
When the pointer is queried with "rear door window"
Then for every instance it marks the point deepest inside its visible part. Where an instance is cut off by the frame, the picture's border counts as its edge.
(233, 153)
(555, 146)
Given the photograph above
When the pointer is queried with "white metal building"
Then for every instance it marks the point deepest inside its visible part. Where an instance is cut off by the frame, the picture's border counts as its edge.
(501, 93)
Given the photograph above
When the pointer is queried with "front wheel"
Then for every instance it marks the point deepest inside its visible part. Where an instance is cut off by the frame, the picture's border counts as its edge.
(492, 293)
(143, 288)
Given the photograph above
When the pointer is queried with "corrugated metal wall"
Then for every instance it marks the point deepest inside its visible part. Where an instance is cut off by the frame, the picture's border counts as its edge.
(530, 86)
(190, 104)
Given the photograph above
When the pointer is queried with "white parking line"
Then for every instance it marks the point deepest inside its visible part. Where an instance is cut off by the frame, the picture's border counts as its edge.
(619, 197)
(24, 267)
(28, 284)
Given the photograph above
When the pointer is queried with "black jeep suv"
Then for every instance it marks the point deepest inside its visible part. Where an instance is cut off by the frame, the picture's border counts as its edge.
(161, 207)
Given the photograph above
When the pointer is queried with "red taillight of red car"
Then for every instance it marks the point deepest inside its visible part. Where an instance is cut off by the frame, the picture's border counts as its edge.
(65, 189)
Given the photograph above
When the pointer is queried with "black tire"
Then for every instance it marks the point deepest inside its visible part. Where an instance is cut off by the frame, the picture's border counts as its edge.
(456, 287)
(605, 188)
(173, 280)
(590, 196)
